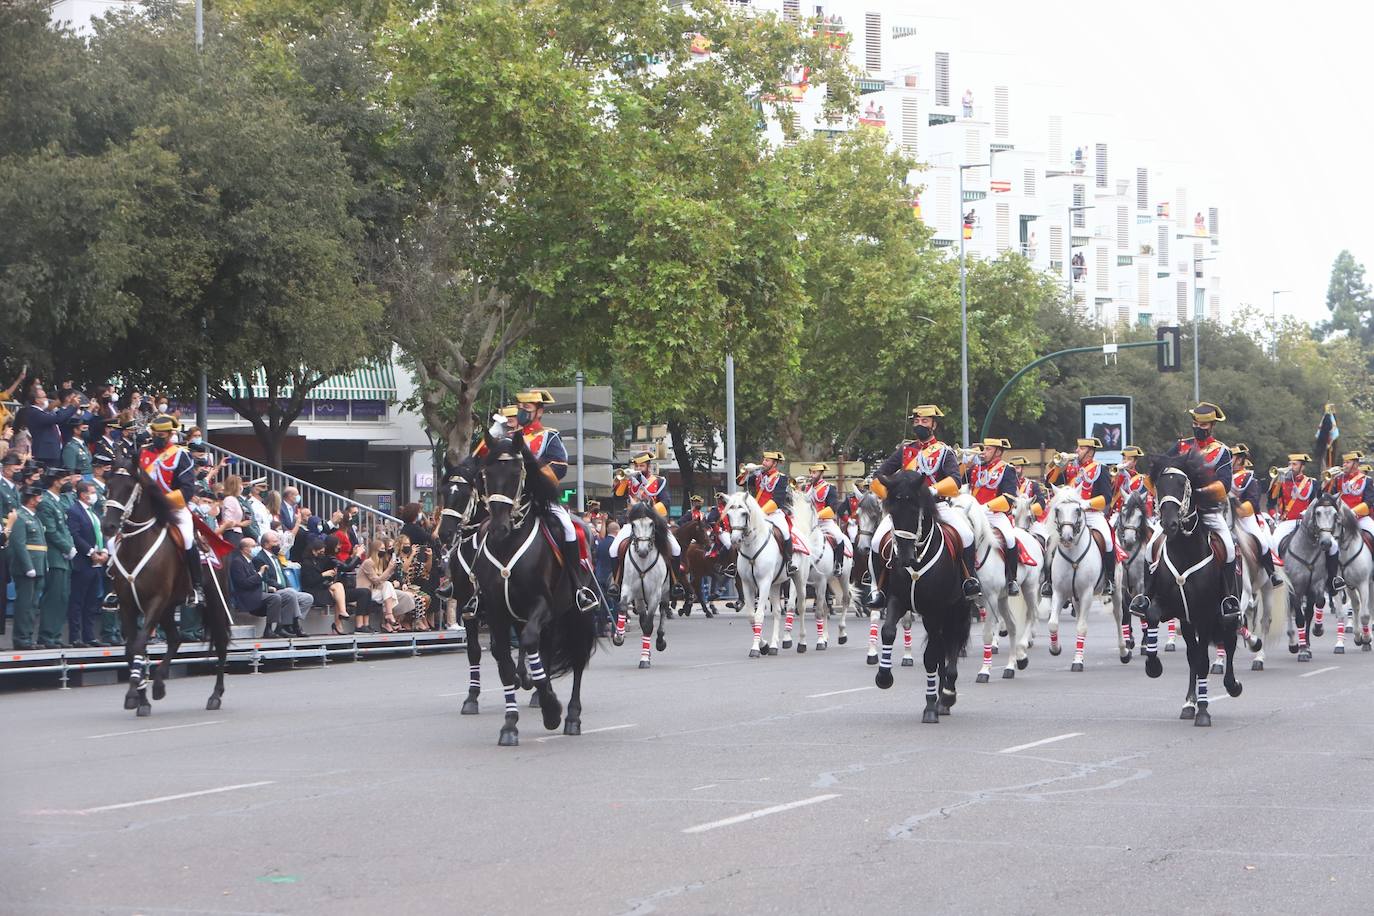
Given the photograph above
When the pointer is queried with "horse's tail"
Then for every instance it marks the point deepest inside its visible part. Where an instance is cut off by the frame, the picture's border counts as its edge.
(567, 642)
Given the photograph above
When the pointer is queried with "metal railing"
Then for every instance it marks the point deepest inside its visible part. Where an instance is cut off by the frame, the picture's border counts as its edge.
(321, 502)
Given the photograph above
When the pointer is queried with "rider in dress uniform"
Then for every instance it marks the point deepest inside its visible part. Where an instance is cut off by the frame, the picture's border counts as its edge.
(1094, 486)
(694, 514)
(1130, 480)
(1248, 492)
(993, 484)
(773, 492)
(1035, 490)
(825, 499)
(1355, 488)
(642, 485)
(1291, 491)
(173, 471)
(937, 461)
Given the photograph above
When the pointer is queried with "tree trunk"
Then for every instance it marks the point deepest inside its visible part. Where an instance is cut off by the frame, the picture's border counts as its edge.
(677, 429)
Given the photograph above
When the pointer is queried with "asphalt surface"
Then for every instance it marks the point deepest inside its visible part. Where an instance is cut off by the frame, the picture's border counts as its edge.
(710, 783)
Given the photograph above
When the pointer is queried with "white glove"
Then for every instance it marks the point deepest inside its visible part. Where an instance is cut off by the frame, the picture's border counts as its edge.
(71, 553)
(32, 574)
(498, 426)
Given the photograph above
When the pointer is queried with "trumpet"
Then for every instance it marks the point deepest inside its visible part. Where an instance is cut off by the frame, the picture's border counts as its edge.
(1061, 458)
(619, 475)
(1329, 473)
(1274, 473)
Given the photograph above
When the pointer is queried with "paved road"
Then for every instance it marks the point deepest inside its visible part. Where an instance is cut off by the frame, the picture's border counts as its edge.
(711, 783)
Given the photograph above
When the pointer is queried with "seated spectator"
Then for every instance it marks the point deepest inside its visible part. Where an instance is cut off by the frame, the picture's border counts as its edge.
(375, 574)
(322, 576)
(415, 525)
(248, 592)
(415, 568)
(274, 577)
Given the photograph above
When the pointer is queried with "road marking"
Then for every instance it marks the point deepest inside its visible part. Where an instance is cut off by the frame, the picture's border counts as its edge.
(591, 731)
(699, 788)
(709, 665)
(835, 693)
(1319, 671)
(762, 812)
(164, 728)
(1026, 747)
(164, 798)
(458, 694)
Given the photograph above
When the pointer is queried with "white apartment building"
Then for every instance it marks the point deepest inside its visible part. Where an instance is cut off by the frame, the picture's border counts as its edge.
(1130, 239)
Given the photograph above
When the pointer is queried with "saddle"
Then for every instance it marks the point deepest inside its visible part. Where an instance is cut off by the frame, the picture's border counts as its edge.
(583, 550)
(953, 545)
(1022, 556)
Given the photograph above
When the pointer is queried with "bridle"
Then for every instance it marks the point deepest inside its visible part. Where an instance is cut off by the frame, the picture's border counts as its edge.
(519, 505)
(922, 540)
(1187, 512)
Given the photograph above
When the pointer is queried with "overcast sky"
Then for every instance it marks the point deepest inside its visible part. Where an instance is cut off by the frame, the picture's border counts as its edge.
(1257, 107)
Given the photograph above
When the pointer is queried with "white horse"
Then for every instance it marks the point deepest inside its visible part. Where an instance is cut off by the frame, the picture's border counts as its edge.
(1075, 572)
(644, 586)
(1024, 520)
(804, 527)
(996, 604)
(758, 562)
(1256, 597)
(827, 577)
(1357, 567)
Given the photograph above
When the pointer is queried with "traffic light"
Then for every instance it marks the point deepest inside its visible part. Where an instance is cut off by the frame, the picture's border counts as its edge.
(1167, 355)
(568, 495)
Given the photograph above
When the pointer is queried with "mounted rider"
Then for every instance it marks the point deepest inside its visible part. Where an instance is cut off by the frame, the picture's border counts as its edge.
(825, 499)
(172, 470)
(1034, 490)
(940, 465)
(1355, 488)
(1129, 480)
(1248, 492)
(773, 492)
(641, 485)
(993, 483)
(1094, 486)
(1291, 491)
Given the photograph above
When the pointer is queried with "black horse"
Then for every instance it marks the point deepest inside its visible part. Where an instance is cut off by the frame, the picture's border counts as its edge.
(1188, 583)
(924, 577)
(524, 591)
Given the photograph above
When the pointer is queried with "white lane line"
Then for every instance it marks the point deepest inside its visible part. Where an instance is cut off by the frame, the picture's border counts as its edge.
(164, 728)
(708, 665)
(699, 788)
(458, 694)
(164, 798)
(1319, 671)
(762, 812)
(835, 693)
(591, 731)
(1026, 747)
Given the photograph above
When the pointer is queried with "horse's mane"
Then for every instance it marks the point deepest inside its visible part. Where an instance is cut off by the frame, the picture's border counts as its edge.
(803, 516)
(870, 503)
(645, 510)
(740, 498)
(1350, 522)
(910, 485)
(162, 509)
(1190, 463)
(1136, 499)
(469, 469)
(538, 487)
(977, 518)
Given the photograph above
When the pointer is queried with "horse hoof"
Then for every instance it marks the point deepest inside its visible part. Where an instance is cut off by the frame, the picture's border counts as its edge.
(873, 659)
(131, 702)
(1021, 664)
(1293, 649)
(1126, 658)
(822, 646)
(883, 678)
(1008, 673)
(643, 663)
(1130, 643)
(929, 717)
(1188, 712)
(1366, 647)
(159, 690)
(1153, 666)
(941, 709)
(618, 639)
(1002, 633)
(526, 682)
(1170, 647)
(509, 738)
(1339, 650)
(1318, 629)
(801, 648)
(661, 645)
(787, 643)
(843, 639)
(144, 710)
(469, 707)
(754, 653)
(1257, 665)
(982, 678)
(996, 650)
(553, 714)
(1076, 666)
(1218, 667)
(534, 700)
(1234, 690)
(1305, 655)
(908, 662)
(1203, 719)
(1055, 648)
(212, 703)
(572, 727)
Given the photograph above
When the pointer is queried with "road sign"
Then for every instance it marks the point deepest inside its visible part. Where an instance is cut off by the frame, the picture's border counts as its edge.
(853, 470)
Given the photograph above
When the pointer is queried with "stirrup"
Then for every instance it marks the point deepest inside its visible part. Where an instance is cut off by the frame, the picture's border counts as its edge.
(198, 597)
(111, 602)
(791, 567)
(1275, 580)
(1012, 587)
(730, 570)
(972, 587)
(877, 599)
(586, 600)
(1108, 588)
(1337, 584)
(1230, 605)
(1046, 589)
(470, 608)
(1139, 605)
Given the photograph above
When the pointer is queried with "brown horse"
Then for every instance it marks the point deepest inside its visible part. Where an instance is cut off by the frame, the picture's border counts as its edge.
(148, 574)
(697, 564)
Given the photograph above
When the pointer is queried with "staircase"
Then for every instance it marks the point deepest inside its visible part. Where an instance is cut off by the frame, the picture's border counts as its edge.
(323, 503)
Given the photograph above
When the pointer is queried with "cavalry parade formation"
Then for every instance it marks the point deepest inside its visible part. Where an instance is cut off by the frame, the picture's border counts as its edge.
(1189, 539)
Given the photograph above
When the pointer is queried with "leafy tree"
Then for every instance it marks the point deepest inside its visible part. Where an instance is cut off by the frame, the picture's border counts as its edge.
(1349, 300)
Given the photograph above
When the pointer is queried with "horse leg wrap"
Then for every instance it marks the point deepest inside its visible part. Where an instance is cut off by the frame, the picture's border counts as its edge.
(1201, 690)
(932, 685)
(1151, 640)
(1126, 630)
(820, 628)
(1221, 654)
(1078, 648)
(987, 654)
(1173, 631)
(1302, 636)
(512, 705)
(1319, 616)
(906, 638)
(758, 631)
(138, 668)
(872, 635)
(1340, 631)
(791, 618)
(536, 667)
(644, 647)
(620, 625)
(886, 660)
(474, 677)
(982, 614)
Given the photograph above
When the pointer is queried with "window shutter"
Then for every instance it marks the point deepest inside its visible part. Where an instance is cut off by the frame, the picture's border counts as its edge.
(1028, 182)
(873, 42)
(1101, 165)
(791, 10)
(1143, 277)
(1123, 229)
(1056, 144)
(941, 77)
(911, 124)
(1162, 251)
(1214, 307)
(1001, 112)
(1003, 227)
(1057, 243)
(1212, 222)
(1182, 287)
(1080, 194)
(973, 148)
(1103, 278)
(1142, 189)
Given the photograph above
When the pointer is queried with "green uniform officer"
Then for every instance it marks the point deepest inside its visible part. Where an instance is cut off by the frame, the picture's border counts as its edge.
(57, 590)
(75, 455)
(28, 563)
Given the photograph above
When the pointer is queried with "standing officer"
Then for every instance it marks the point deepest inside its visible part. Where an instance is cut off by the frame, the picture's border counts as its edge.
(28, 562)
(57, 589)
(75, 455)
(9, 502)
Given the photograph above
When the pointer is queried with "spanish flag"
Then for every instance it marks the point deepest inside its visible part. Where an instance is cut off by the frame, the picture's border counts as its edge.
(1327, 435)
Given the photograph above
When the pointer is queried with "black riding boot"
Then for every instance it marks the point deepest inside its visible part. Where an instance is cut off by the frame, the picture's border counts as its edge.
(787, 551)
(1230, 604)
(972, 588)
(878, 578)
(1334, 582)
(1109, 571)
(1009, 562)
(193, 566)
(572, 564)
(1141, 603)
(1267, 561)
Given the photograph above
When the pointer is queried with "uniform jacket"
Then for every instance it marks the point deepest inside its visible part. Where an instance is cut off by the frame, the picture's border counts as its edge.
(59, 539)
(76, 457)
(28, 545)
